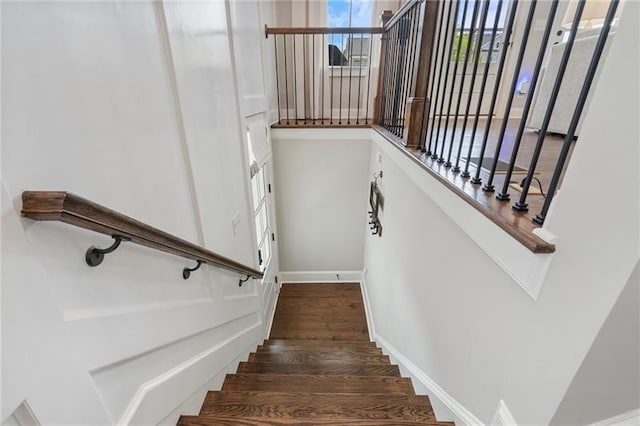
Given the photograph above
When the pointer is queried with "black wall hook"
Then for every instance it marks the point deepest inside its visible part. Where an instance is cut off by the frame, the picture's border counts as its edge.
(186, 272)
(243, 281)
(95, 255)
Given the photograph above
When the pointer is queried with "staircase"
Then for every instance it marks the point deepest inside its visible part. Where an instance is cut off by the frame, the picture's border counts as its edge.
(317, 368)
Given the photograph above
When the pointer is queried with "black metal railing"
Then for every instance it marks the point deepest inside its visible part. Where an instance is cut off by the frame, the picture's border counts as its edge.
(323, 75)
(469, 130)
(402, 42)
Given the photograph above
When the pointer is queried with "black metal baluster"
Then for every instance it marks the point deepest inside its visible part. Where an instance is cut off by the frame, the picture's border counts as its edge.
(305, 83)
(359, 81)
(446, 59)
(314, 113)
(504, 196)
(324, 65)
(474, 16)
(286, 80)
(331, 66)
(474, 74)
(385, 79)
(392, 70)
(426, 110)
(521, 204)
(453, 86)
(512, 92)
(366, 116)
(295, 79)
(341, 81)
(394, 79)
(411, 54)
(441, 58)
(577, 113)
(275, 45)
(402, 71)
(433, 101)
(397, 76)
(496, 87)
(350, 41)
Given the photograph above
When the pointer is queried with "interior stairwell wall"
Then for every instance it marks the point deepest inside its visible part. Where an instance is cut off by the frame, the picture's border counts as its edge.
(446, 306)
(133, 105)
(322, 193)
(607, 382)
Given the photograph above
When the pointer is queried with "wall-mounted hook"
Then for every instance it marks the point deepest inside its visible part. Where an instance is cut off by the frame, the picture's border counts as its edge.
(186, 272)
(95, 255)
(240, 281)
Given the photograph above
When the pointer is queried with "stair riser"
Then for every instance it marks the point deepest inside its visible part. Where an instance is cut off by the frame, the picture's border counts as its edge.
(324, 369)
(305, 357)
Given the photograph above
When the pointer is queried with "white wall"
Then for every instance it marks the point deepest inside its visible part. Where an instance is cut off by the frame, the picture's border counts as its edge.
(133, 105)
(607, 382)
(322, 183)
(454, 313)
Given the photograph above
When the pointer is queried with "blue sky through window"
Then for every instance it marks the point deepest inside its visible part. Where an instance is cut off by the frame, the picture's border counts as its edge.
(493, 7)
(348, 13)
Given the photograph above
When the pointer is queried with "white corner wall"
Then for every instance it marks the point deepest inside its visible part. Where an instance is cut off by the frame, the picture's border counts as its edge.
(322, 185)
(463, 324)
(608, 381)
(133, 105)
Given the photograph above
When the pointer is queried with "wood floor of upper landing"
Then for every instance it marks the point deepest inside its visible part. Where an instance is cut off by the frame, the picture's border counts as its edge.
(516, 223)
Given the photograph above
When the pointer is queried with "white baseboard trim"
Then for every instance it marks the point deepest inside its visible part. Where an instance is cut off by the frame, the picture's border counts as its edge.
(274, 294)
(320, 276)
(435, 390)
(456, 408)
(367, 307)
(630, 418)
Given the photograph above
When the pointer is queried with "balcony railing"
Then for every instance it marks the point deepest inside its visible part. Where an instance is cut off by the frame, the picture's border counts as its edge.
(479, 100)
(324, 75)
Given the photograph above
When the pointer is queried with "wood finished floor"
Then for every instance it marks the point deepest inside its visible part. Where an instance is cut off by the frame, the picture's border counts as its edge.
(317, 368)
(518, 224)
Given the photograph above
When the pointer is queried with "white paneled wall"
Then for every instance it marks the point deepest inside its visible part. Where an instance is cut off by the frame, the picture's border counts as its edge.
(134, 105)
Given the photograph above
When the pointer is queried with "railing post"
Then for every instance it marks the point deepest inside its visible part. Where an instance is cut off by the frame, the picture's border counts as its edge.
(414, 131)
(386, 15)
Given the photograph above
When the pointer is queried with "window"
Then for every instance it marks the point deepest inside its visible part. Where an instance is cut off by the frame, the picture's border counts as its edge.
(260, 189)
(349, 50)
(470, 32)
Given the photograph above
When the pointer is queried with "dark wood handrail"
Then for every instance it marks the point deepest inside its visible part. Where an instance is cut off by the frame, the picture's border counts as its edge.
(400, 13)
(75, 210)
(322, 30)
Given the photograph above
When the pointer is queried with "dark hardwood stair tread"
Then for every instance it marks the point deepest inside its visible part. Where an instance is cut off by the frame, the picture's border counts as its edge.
(319, 289)
(317, 383)
(311, 405)
(254, 421)
(301, 357)
(319, 368)
(367, 350)
(295, 343)
(319, 334)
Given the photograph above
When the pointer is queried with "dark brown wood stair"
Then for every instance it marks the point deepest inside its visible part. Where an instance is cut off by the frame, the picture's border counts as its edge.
(317, 368)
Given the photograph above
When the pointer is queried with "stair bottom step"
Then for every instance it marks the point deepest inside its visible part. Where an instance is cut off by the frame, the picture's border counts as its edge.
(252, 421)
(305, 406)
